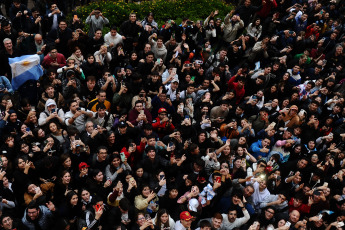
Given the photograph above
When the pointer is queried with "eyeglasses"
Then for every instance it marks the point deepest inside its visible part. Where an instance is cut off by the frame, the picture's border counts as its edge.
(270, 212)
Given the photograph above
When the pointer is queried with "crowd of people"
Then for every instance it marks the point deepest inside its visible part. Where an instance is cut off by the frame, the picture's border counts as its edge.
(220, 123)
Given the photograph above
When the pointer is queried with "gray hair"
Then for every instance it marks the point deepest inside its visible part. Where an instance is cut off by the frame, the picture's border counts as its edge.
(6, 40)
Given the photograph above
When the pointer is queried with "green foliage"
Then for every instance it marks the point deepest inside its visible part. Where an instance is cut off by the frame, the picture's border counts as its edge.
(118, 11)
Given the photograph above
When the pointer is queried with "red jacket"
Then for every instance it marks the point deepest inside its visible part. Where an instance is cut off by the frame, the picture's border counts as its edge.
(304, 208)
(60, 59)
(239, 91)
(135, 157)
(162, 129)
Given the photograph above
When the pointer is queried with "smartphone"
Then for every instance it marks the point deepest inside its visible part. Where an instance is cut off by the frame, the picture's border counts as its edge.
(211, 150)
(255, 224)
(147, 216)
(287, 224)
(53, 110)
(78, 109)
(123, 157)
(171, 144)
(161, 177)
(141, 111)
(186, 117)
(131, 180)
(192, 78)
(27, 129)
(97, 207)
(176, 54)
(218, 179)
(174, 70)
(158, 61)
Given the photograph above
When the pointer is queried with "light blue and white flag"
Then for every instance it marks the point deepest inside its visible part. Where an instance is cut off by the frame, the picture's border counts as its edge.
(25, 68)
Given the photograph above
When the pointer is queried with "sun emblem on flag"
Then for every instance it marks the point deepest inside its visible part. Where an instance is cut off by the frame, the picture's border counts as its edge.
(25, 63)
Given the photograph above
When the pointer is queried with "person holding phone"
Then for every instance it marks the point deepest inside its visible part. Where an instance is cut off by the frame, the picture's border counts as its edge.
(116, 167)
(51, 113)
(96, 20)
(139, 116)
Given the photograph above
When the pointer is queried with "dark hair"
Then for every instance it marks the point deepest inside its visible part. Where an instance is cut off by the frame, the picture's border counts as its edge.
(158, 218)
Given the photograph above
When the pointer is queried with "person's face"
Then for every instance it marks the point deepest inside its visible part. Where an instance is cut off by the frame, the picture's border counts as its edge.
(67, 163)
(224, 107)
(102, 97)
(186, 223)
(4, 161)
(164, 218)
(13, 117)
(102, 155)
(151, 154)
(24, 148)
(216, 222)
(266, 142)
(248, 191)
(226, 151)
(98, 34)
(232, 215)
(174, 85)
(237, 163)
(7, 29)
(146, 191)
(296, 69)
(33, 213)
(66, 179)
(41, 133)
(262, 184)
(311, 144)
(140, 172)
(269, 213)
(50, 107)
(32, 189)
(111, 138)
(242, 141)
(21, 164)
(7, 223)
(206, 83)
(113, 33)
(85, 195)
(281, 223)
(294, 216)
(202, 137)
(301, 164)
(99, 177)
(259, 81)
(141, 220)
(62, 25)
(8, 45)
(116, 162)
(132, 17)
(74, 200)
(123, 130)
(173, 193)
(91, 59)
(297, 202)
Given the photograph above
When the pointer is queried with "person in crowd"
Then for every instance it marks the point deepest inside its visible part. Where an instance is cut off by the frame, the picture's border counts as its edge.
(236, 122)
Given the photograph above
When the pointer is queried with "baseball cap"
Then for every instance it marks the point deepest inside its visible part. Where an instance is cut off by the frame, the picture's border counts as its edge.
(175, 80)
(122, 124)
(162, 110)
(193, 205)
(186, 216)
(50, 102)
(83, 165)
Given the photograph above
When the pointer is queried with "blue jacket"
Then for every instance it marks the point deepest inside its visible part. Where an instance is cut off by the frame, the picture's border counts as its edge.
(255, 149)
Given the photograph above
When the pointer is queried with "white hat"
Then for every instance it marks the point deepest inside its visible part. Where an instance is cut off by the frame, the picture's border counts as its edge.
(193, 205)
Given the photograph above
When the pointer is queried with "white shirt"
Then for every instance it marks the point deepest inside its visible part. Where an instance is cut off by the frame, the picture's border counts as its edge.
(108, 39)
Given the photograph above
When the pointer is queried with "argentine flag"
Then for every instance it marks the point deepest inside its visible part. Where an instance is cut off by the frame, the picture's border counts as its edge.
(25, 68)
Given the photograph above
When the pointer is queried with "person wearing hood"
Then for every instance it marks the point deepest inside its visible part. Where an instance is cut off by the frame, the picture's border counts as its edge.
(51, 112)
